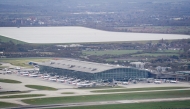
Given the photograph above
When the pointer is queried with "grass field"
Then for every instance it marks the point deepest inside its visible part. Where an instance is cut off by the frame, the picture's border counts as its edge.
(110, 52)
(151, 105)
(9, 81)
(169, 51)
(157, 29)
(67, 93)
(4, 104)
(13, 92)
(156, 54)
(6, 39)
(22, 96)
(23, 62)
(138, 89)
(109, 97)
(41, 87)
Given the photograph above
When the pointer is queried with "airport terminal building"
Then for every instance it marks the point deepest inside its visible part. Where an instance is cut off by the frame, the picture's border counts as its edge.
(91, 71)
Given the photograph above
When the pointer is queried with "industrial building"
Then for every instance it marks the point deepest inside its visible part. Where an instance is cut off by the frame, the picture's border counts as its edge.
(91, 71)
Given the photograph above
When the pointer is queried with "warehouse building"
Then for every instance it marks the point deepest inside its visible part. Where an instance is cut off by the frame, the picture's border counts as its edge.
(91, 71)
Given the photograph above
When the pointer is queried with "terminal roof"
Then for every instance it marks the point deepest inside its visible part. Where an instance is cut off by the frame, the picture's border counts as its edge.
(78, 65)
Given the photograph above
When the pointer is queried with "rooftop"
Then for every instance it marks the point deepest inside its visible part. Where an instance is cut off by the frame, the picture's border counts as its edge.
(183, 72)
(77, 65)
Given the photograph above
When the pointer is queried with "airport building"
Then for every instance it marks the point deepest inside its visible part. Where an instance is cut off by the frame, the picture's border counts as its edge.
(184, 74)
(91, 71)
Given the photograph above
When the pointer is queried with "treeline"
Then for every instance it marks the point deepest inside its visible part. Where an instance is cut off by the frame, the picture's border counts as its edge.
(10, 49)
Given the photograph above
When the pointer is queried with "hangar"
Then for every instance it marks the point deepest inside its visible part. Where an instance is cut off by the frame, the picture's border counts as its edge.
(91, 71)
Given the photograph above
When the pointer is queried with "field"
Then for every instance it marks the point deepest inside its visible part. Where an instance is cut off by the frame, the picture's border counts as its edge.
(109, 97)
(110, 52)
(169, 51)
(9, 81)
(138, 89)
(68, 93)
(122, 52)
(157, 54)
(13, 92)
(41, 87)
(4, 104)
(157, 29)
(22, 96)
(6, 39)
(23, 62)
(152, 105)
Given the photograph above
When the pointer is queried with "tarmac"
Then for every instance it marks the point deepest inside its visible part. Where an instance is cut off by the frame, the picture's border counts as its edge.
(63, 87)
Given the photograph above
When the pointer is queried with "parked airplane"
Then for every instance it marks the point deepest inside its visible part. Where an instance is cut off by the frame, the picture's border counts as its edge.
(33, 75)
(60, 80)
(46, 77)
(83, 85)
(69, 80)
(25, 74)
(125, 83)
(173, 81)
(8, 72)
(53, 79)
(157, 82)
(17, 68)
(75, 81)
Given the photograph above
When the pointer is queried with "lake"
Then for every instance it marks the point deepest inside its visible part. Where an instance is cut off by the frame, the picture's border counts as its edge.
(75, 34)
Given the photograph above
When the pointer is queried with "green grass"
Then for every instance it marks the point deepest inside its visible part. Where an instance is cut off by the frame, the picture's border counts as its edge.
(4, 104)
(109, 97)
(67, 93)
(169, 51)
(41, 87)
(121, 42)
(13, 92)
(22, 96)
(158, 29)
(23, 62)
(6, 39)
(110, 52)
(9, 81)
(156, 54)
(138, 89)
(151, 105)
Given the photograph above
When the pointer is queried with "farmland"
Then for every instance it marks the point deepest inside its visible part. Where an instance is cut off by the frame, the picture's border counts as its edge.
(110, 52)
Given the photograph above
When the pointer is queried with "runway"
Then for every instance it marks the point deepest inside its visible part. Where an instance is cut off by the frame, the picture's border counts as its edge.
(97, 103)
